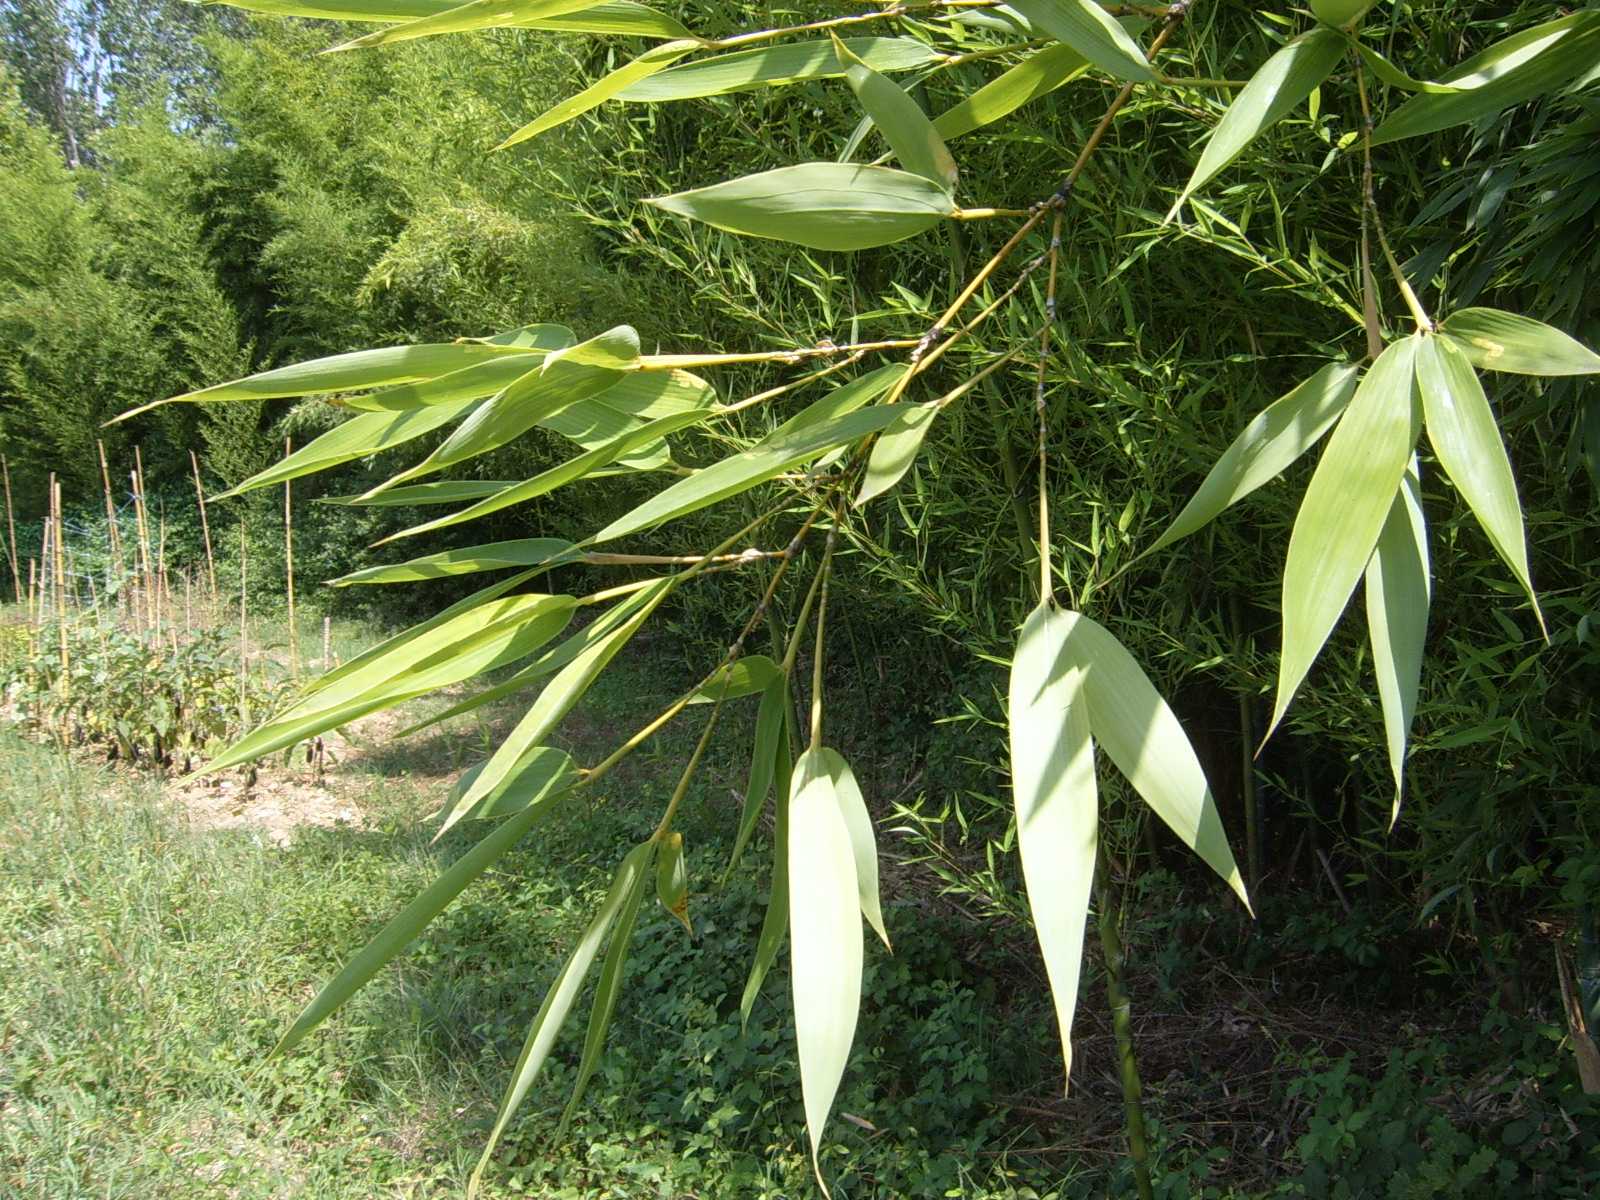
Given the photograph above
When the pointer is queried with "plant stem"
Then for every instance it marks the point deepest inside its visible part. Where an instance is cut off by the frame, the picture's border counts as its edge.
(1369, 202)
(817, 654)
(1122, 1026)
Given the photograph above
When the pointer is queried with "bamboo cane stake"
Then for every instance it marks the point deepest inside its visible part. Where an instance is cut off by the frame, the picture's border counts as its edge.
(11, 528)
(163, 600)
(288, 565)
(112, 525)
(205, 526)
(244, 626)
(144, 617)
(61, 580)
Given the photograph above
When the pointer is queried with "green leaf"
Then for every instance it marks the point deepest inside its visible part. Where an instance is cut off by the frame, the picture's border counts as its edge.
(1530, 64)
(1279, 435)
(464, 18)
(1092, 32)
(826, 206)
(657, 58)
(560, 694)
(1344, 510)
(824, 941)
(672, 880)
(1466, 439)
(469, 383)
(1502, 341)
(1053, 784)
(1399, 590)
(771, 66)
(542, 773)
(559, 999)
(775, 923)
(904, 126)
(608, 16)
(1142, 736)
(449, 491)
(858, 393)
(896, 449)
(403, 928)
(744, 677)
(738, 473)
(853, 806)
(1041, 73)
(1394, 76)
(763, 762)
(559, 476)
(468, 560)
(1283, 81)
(612, 973)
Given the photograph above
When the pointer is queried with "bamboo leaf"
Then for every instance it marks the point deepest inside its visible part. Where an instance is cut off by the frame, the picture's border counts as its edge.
(826, 206)
(775, 922)
(449, 491)
(1092, 32)
(559, 999)
(846, 398)
(763, 762)
(1530, 64)
(464, 18)
(1279, 435)
(468, 560)
(1393, 75)
(896, 449)
(1344, 510)
(1399, 589)
(609, 16)
(904, 126)
(740, 472)
(853, 806)
(1140, 734)
(403, 928)
(772, 66)
(542, 773)
(1502, 341)
(1466, 439)
(1041, 73)
(672, 880)
(607, 87)
(744, 677)
(469, 383)
(1282, 82)
(1056, 796)
(824, 942)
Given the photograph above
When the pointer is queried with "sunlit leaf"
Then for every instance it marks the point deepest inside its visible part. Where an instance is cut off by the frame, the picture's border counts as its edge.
(607, 16)
(1040, 73)
(745, 676)
(468, 560)
(768, 66)
(672, 880)
(542, 773)
(464, 18)
(1502, 341)
(607, 87)
(1056, 796)
(449, 491)
(896, 449)
(1399, 589)
(827, 206)
(469, 383)
(1344, 510)
(1279, 435)
(853, 806)
(904, 126)
(1466, 439)
(1092, 32)
(763, 761)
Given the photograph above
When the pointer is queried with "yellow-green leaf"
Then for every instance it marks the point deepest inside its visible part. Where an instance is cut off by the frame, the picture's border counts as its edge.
(624, 17)
(763, 761)
(904, 126)
(853, 807)
(775, 923)
(607, 87)
(1040, 73)
(542, 773)
(745, 676)
(475, 14)
(672, 880)
(896, 449)
(468, 560)
(1344, 510)
(1502, 341)
(1092, 32)
(771, 66)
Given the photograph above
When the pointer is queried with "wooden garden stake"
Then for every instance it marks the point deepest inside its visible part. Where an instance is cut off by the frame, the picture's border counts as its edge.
(11, 528)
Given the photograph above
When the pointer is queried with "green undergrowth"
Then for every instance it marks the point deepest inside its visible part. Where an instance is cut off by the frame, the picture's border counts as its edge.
(150, 968)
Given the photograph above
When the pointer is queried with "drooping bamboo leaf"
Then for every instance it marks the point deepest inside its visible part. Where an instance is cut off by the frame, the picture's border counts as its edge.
(1466, 438)
(826, 206)
(559, 476)
(763, 762)
(1393, 75)
(607, 87)
(1282, 82)
(1140, 734)
(560, 694)
(464, 18)
(542, 773)
(896, 449)
(1345, 507)
(672, 880)
(847, 792)
(448, 491)
(403, 928)
(775, 922)
(1399, 589)
(745, 676)
(824, 942)
(469, 383)
(1056, 796)
(1533, 63)
(468, 560)
(1041, 73)
(770, 66)
(625, 17)
(1278, 435)
(904, 126)
(846, 398)
(740, 472)
(1502, 341)
(559, 999)
(1092, 32)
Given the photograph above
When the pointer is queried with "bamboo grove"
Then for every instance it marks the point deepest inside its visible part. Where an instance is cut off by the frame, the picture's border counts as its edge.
(1416, 397)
